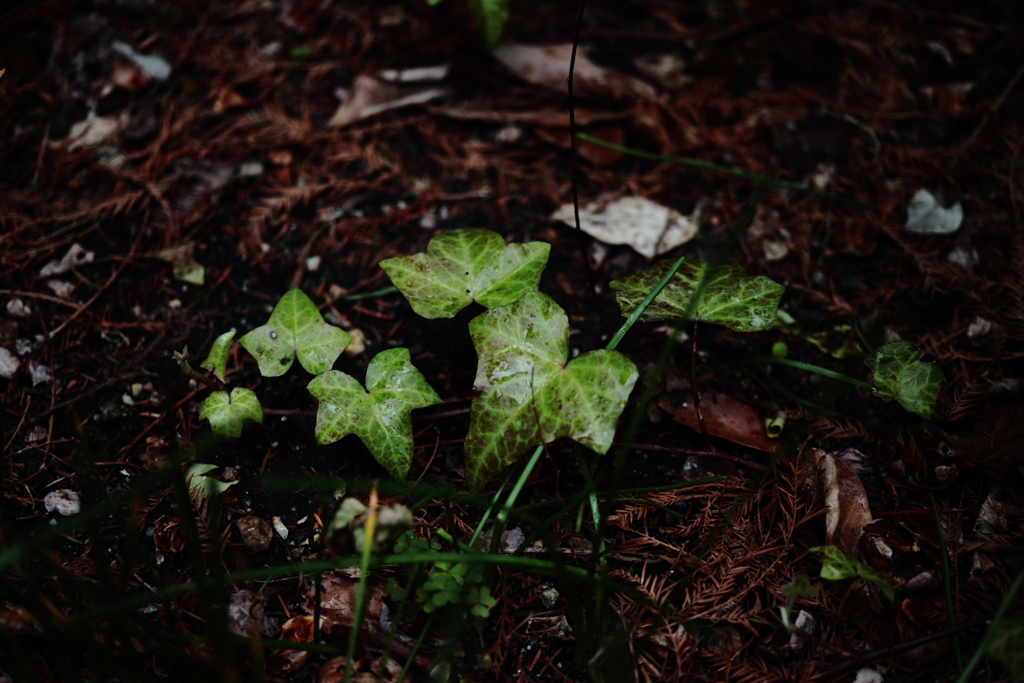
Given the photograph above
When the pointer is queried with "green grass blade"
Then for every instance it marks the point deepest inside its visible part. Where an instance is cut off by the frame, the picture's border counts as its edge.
(635, 315)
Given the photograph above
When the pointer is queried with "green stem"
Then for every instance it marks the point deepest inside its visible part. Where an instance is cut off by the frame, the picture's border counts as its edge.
(813, 368)
(965, 675)
(720, 169)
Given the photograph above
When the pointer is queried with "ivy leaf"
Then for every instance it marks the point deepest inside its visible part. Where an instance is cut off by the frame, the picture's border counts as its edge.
(731, 298)
(227, 413)
(837, 565)
(202, 485)
(1007, 645)
(218, 358)
(463, 266)
(379, 414)
(295, 328)
(897, 373)
(490, 16)
(527, 393)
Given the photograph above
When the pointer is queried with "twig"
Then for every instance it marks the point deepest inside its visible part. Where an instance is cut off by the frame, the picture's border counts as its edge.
(572, 176)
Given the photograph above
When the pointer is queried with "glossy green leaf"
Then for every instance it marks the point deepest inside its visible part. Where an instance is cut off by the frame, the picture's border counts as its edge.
(1007, 646)
(837, 565)
(227, 413)
(379, 414)
(295, 328)
(527, 394)
(200, 484)
(490, 16)
(731, 298)
(218, 358)
(463, 266)
(897, 373)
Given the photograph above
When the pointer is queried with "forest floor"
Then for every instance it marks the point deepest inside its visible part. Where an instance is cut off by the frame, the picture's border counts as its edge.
(145, 145)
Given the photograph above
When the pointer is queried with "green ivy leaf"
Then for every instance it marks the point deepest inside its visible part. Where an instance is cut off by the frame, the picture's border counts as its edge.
(200, 484)
(837, 566)
(1007, 646)
(463, 266)
(490, 16)
(295, 328)
(897, 373)
(527, 393)
(227, 413)
(731, 298)
(218, 358)
(379, 414)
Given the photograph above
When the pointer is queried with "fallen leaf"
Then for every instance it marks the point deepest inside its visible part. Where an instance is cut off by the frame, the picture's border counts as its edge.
(649, 228)
(94, 131)
(338, 595)
(256, 533)
(724, 416)
(371, 96)
(76, 256)
(228, 98)
(548, 66)
(183, 261)
(926, 216)
(845, 499)
(246, 615)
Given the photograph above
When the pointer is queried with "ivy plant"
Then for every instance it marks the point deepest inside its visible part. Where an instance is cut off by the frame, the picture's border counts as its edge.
(527, 393)
(378, 414)
(228, 412)
(898, 373)
(295, 330)
(465, 266)
(730, 298)
(837, 565)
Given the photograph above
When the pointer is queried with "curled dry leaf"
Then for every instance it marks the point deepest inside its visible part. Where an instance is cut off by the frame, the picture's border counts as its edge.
(648, 227)
(246, 614)
(371, 96)
(338, 594)
(724, 416)
(549, 66)
(256, 533)
(845, 499)
(297, 630)
(333, 671)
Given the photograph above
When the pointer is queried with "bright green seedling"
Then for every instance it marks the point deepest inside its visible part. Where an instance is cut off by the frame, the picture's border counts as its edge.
(379, 414)
(731, 298)
(490, 16)
(799, 587)
(227, 413)
(454, 583)
(837, 565)
(897, 373)
(1007, 646)
(463, 266)
(526, 392)
(202, 485)
(218, 358)
(295, 328)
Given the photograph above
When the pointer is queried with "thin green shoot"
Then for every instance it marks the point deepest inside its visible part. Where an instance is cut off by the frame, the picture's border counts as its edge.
(946, 579)
(965, 675)
(696, 163)
(635, 315)
(361, 594)
(813, 368)
(502, 518)
(359, 296)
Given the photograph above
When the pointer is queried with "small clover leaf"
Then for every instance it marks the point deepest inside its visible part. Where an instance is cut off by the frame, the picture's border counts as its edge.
(463, 266)
(731, 298)
(218, 358)
(481, 601)
(527, 393)
(227, 413)
(897, 373)
(295, 328)
(837, 565)
(379, 414)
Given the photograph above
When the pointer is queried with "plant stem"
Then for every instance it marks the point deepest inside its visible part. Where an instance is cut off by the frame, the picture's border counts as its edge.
(696, 391)
(946, 578)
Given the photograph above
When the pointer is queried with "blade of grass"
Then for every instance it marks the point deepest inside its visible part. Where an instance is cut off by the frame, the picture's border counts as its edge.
(695, 163)
(813, 368)
(965, 675)
(651, 296)
(946, 578)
